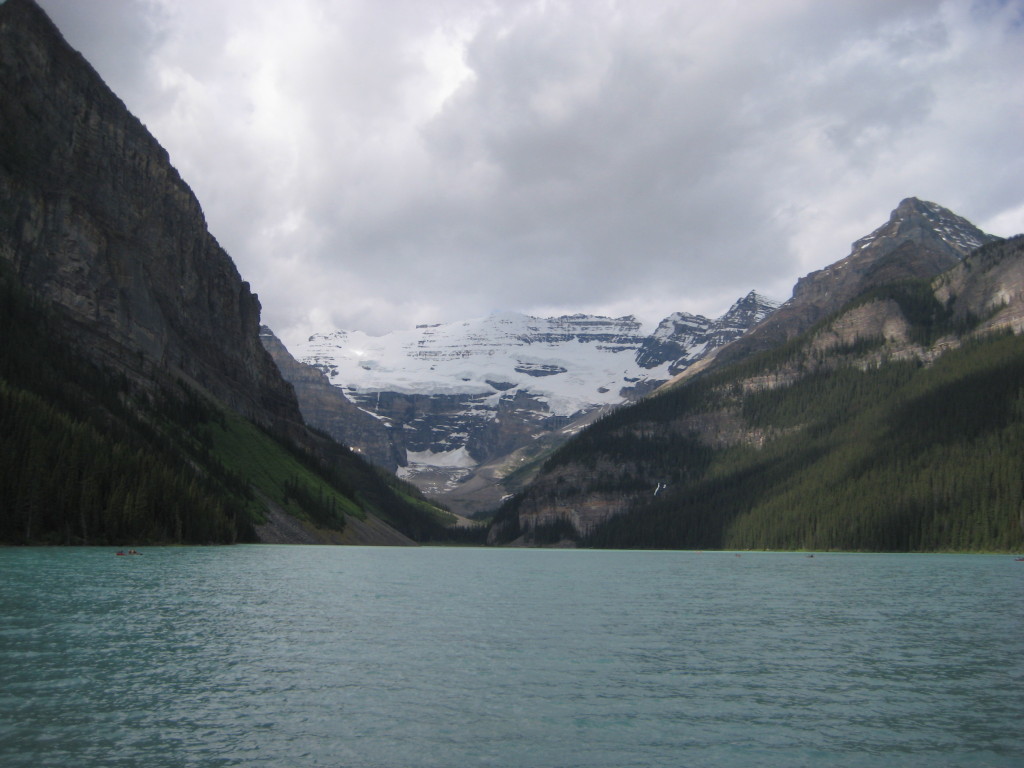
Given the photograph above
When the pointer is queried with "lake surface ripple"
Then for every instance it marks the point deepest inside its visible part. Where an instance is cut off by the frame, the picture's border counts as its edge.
(359, 657)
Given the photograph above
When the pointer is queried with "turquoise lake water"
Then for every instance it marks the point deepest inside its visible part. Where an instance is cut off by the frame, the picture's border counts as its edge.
(360, 657)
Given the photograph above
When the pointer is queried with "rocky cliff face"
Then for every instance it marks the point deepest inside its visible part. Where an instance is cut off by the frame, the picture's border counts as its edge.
(988, 286)
(477, 398)
(94, 218)
(328, 408)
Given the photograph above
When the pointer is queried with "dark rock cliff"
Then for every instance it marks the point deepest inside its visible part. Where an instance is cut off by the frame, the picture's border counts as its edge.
(94, 218)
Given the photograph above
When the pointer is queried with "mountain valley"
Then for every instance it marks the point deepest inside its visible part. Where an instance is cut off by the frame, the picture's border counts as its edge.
(456, 408)
(880, 408)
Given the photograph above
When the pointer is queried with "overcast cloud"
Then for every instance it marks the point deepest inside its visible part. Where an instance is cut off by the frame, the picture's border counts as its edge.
(373, 164)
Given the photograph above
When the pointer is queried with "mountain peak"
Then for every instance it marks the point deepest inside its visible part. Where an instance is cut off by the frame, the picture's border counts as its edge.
(910, 204)
(756, 299)
(924, 222)
(920, 240)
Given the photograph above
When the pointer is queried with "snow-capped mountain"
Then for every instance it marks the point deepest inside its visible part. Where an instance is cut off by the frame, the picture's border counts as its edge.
(573, 362)
(455, 396)
(682, 339)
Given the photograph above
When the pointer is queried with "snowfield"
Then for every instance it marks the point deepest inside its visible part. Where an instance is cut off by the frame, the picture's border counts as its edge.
(574, 362)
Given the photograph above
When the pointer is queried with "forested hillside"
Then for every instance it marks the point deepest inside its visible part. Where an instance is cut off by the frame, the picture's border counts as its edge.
(907, 442)
(89, 457)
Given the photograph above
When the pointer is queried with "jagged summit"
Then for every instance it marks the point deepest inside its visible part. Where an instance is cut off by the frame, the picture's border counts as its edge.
(681, 339)
(918, 221)
(750, 310)
(920, 240)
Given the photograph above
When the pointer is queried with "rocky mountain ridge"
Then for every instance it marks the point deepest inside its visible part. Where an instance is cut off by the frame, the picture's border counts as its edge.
(920, 240)
(328, 408)
(903, 297)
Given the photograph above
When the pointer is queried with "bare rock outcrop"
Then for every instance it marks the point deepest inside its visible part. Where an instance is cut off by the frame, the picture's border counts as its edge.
(327, 408)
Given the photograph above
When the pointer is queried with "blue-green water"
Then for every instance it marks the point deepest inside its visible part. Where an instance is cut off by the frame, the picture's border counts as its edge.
(321, 656)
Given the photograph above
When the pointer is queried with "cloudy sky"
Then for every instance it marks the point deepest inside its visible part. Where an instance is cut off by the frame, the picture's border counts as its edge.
(373, 164)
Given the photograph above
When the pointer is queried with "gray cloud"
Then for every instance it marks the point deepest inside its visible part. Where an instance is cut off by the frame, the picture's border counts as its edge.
(370, 165)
